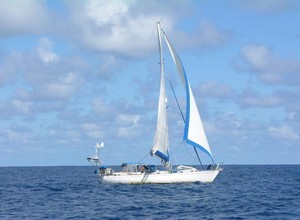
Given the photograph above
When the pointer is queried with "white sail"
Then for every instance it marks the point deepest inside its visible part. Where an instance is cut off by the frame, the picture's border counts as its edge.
(194, 133)
(161, 140)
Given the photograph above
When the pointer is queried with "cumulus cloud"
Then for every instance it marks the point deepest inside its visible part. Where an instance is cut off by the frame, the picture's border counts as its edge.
(125, 28)
(215, 89)
(128, 125)
(108, 66)
(229, 132)
(14, 136)
(92, 130)
(102, 12)
(267, 66)
(252, 98)
(63, 88)
(47, 76)
(99, 106)
(284, 132)
(111, 27)
(8, 67)
(38, 80)
(45, 51)
(271, 6)
(249, 97)
(205, 35)
(23, 17)
(128, 119)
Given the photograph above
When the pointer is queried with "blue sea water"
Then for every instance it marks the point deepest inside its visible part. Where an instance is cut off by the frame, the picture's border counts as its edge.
(239, 192)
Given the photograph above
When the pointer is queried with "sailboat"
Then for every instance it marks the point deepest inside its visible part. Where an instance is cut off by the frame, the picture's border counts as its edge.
(194, 135)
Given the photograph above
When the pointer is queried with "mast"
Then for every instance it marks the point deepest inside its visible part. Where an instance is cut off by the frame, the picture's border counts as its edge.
(161, 141)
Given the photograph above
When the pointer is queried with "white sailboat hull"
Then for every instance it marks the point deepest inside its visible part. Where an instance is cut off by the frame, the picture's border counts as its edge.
(160, 177)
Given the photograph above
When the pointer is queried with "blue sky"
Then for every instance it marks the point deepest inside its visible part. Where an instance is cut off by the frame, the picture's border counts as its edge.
(73, 73)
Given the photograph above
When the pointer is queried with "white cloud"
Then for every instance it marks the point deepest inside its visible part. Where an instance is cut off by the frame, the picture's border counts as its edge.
(125, 27)
(8, 68)
(60, 89)
(233, 125)
(38, 81)
(112, 27)
(103, 12)
(127, 38)
(125, 119)
(21, 107)
(252, 98)
(284, 132)
(44, 51)
(214, 89)
(205, 35)
(128, 27)
(269, 67)
(93, 131)
(19, 17)
(128, 126)
(16, 135)
(100, 107)
(108, 66)
(63, 88)
(268, 5)
(266, 101)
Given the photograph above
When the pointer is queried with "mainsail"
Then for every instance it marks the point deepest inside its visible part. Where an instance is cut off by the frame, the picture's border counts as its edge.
(161, 140)
(194, 133)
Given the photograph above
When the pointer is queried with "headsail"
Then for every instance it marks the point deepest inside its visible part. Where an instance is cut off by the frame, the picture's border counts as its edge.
(161, 140)
(194, 133)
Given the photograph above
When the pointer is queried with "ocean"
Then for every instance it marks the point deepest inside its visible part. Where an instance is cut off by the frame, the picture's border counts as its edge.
(239, 192)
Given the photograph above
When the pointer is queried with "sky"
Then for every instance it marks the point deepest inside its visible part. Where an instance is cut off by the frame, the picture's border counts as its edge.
(73, 73)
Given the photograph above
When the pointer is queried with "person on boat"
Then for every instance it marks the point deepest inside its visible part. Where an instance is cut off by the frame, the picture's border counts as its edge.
(143, 168)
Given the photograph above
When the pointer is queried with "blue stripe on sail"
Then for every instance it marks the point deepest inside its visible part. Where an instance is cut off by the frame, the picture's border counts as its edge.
(187, 117)
(187, 114)
(199, 147)
(162, 156)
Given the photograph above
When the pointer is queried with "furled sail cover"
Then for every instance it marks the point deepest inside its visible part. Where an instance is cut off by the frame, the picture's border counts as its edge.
(161, 140)
(194, 133)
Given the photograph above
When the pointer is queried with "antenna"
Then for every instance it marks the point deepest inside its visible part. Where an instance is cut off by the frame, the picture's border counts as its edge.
(95, 160)
(98, 146)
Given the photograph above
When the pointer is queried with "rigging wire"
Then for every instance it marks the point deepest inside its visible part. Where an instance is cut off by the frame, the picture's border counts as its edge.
(177, 101)
(144, 157)
(107, 156)
(188, 152)
(173, 152)
(184, 121)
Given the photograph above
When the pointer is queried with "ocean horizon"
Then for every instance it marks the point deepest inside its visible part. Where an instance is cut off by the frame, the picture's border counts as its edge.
(197, 165)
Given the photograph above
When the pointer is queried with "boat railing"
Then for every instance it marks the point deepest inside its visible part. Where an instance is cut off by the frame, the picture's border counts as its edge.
(137, 168)
(214, 167)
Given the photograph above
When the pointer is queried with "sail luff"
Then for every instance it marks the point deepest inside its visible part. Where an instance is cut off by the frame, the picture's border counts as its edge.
(194, 133)
(161, 141)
